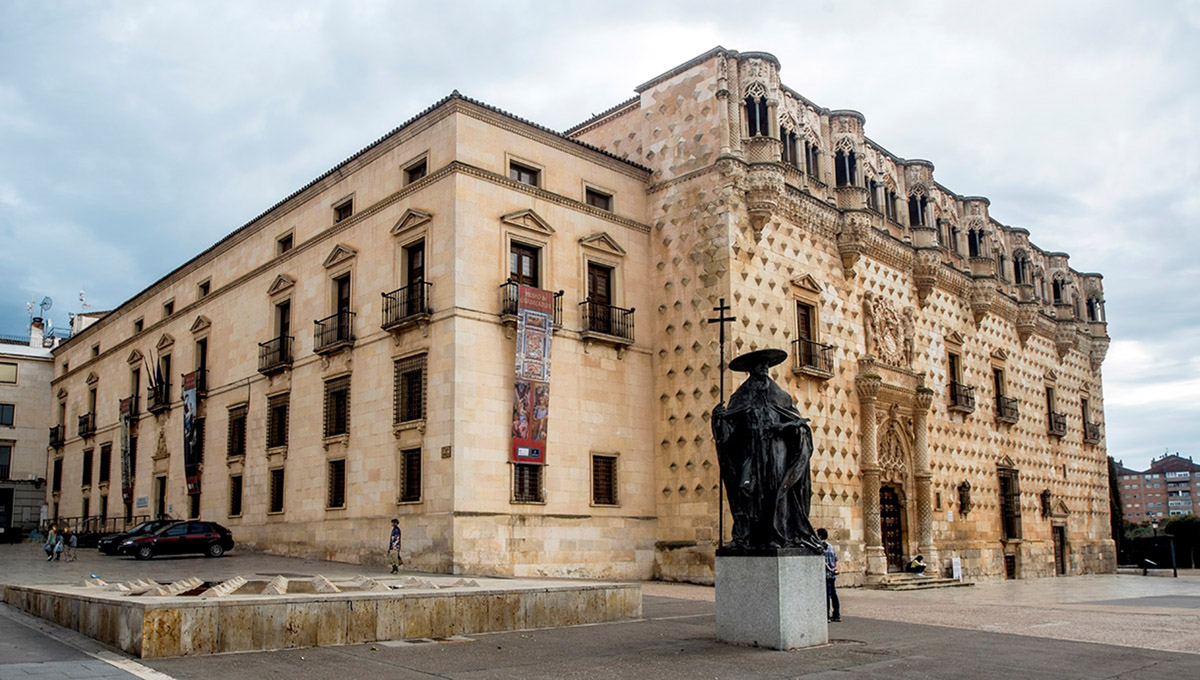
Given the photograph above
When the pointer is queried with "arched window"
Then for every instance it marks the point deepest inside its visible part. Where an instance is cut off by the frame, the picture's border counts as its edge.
(954, 234)
(1095, 309)
(916, 211)
(975, 243)
(873, 195)
(1000, 264)
(789, 154)
(1021, 267)
(812, 160)
(889, 205)
(845, 165)
(756, 117)
(1058, 287)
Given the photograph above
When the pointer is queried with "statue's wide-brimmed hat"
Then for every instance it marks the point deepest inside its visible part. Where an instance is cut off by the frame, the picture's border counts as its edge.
(747, 361)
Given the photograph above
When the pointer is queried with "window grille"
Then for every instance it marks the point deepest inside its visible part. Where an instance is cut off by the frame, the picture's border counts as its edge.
(337, 484)
(276, 491)
(235, 496)
(527, 483)
(604, 480)
(236, 445)
(409, 393)
(337, 406)
(410, 485)
(1010, 502)
(105, 462)
(277, 421)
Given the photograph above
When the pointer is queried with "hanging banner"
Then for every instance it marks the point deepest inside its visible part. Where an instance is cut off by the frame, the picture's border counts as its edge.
(126, 423)
(531, 392)
(191, 443)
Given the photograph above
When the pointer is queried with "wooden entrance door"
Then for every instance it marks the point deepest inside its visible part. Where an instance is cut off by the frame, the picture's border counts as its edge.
(890, 521)
(523, 265)
(415, 300)
(1060, 550)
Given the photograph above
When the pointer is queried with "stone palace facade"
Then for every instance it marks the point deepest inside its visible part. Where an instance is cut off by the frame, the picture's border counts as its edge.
(950, 367)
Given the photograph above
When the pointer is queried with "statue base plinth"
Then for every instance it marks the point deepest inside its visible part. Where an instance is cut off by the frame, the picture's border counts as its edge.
(774, 600)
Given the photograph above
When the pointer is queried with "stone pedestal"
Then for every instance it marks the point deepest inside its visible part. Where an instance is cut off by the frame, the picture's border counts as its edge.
(772, 600)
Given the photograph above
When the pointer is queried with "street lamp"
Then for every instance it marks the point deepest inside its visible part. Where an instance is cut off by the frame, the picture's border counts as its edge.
(1154, 525)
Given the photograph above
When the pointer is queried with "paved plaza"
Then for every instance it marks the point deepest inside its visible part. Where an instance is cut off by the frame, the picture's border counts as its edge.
(1074, 627)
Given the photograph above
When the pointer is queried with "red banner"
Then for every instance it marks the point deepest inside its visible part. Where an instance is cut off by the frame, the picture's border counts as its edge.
(531, 390)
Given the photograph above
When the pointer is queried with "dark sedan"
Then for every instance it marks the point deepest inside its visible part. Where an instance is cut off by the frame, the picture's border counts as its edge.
(109, 544)
(206, 538)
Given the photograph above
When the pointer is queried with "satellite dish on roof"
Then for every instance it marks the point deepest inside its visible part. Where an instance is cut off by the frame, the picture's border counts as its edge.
(47, 303)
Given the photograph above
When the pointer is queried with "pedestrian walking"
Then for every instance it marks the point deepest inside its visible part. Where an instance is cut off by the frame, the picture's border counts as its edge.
(70, 541)
(394, 547)
(831, 574)
(51, 538)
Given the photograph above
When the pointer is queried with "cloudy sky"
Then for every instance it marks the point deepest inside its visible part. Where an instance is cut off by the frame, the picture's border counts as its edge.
(135, 134)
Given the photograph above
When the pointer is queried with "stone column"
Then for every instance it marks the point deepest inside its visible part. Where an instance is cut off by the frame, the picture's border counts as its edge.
(734, 107)
(921, 404)
(868, 391)
(724, 112)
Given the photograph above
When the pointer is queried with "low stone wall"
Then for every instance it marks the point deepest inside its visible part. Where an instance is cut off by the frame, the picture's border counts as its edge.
(151, 626)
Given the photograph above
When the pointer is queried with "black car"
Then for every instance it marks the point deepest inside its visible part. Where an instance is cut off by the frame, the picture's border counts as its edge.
(109, 544)
(207, 538)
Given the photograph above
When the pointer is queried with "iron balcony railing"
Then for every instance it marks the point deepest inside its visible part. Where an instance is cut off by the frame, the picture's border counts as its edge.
(158, 397)
(812, 355)
(405, 304)
(87, 425)
(1058, 424)
(510, 294)
(58, 435)
(275, 354)
(607, 319)
(333, 332)
(962, 397)
(1091, 434)
(1006, 409)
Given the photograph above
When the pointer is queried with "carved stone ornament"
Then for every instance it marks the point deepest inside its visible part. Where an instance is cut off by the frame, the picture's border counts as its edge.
(892, 465)
(889, 333)
(964, 498)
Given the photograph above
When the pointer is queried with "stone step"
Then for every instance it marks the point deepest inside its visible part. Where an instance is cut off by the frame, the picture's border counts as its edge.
(920, 583)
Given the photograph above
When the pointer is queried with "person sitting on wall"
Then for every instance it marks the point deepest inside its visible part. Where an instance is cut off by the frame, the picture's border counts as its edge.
(917, 566)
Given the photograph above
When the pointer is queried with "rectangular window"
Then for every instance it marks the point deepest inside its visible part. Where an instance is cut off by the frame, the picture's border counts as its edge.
(1010, 502)
(416, 171)
(95, 350)
(276, 491)
(523, 174)
(1087, 419)
(87, 467)
(336, 498)
(235, 496)
(410, 471)
(138, 325)
(8, 372)
(337, 406)
(7, 414)
(998, 382)
(954, 368)
(409, 397)
(598, 199)
(87, 507)
(105, 462)
(604, 480)
(284, 243)
(56, 477)
(523, 264)
(527, 483)
(277, 421)
(204, 288)
(236, 442)
(343, 210)
(1050, 402)
(168, 308)
(5, 460)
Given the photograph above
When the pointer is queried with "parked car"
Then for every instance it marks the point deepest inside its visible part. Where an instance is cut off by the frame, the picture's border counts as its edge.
(207, 538)
(109, 544)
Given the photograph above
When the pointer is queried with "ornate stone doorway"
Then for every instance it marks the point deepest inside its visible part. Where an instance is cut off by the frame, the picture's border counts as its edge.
(891, 521)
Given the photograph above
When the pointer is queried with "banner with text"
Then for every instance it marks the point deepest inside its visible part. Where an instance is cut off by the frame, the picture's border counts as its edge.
(191, 439)
(531, 391)
(126, 471)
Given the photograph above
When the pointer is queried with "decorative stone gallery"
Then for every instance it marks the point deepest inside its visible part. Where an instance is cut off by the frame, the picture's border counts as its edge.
(147, 619)
(950, 369)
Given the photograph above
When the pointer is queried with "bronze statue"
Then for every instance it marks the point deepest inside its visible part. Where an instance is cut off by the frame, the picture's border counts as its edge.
(764, 448)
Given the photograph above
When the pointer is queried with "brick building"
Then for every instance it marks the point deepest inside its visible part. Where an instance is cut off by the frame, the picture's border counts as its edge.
(1170, 487)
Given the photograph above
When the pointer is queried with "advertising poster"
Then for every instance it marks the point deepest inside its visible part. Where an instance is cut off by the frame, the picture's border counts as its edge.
(531, 389)
(191, 444)
(126, 423)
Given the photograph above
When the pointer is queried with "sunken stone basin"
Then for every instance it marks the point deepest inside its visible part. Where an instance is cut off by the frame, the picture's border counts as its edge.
(191, 616)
